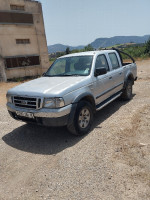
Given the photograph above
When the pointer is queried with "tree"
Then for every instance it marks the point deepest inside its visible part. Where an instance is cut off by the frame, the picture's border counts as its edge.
(147, 48)
(88, 48)
(67, 50)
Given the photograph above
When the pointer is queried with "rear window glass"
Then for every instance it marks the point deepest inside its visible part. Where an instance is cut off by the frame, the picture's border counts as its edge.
(114, 60)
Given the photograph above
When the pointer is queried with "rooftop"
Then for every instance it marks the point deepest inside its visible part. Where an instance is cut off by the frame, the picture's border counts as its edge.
(88, 53)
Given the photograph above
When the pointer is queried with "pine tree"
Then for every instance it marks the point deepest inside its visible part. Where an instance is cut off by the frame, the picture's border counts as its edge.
(67, 50)
(88, 48)
(147, 49)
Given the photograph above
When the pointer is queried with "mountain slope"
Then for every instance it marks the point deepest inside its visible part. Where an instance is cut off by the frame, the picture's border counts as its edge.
(102, 42)
(60, 47)
(106, 42)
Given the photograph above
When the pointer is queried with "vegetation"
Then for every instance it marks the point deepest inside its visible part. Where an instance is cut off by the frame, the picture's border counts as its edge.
(135, 50)
(88, 48)
(67, 50)
(147, 49)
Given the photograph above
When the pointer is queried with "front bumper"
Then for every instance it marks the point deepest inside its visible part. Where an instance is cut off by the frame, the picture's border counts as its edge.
(44, 116)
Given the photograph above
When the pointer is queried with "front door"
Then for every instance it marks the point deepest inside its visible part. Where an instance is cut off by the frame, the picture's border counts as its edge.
(102, 83)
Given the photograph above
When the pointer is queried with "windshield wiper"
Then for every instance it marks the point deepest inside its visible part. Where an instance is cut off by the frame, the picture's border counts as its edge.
(52, 75)
(73, 75)
(61, 75)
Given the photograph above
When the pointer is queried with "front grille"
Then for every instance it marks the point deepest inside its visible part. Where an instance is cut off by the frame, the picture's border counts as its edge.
(27, 102)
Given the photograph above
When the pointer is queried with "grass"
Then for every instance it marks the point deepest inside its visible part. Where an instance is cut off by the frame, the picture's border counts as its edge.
(136, 52)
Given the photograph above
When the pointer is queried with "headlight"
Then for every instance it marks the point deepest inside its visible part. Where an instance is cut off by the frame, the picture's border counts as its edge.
(9, 98)
(53, 102)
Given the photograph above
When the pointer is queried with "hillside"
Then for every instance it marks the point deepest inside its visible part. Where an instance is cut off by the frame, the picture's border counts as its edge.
(60, 47)
(106, 42)
(102, 42)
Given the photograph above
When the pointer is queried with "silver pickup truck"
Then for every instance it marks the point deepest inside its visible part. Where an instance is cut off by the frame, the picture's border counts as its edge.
(73, 89)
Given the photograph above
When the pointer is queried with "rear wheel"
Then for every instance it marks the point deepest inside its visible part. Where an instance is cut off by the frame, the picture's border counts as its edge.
(83, 119)
(127, 92)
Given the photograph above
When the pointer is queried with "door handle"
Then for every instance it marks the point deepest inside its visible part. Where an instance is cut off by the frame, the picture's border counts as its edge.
(110, 77)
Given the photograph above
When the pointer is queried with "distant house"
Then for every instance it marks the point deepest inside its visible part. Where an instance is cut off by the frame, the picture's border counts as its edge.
(23, 46)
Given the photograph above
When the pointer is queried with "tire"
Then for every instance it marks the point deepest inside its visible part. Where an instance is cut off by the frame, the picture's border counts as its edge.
(83, 119)
(127, 92)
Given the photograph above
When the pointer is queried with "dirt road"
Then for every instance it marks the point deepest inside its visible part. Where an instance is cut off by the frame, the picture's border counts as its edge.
(112, 162)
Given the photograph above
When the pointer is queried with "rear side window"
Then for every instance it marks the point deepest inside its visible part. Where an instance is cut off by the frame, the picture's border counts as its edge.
(114, 60)
(101, 62)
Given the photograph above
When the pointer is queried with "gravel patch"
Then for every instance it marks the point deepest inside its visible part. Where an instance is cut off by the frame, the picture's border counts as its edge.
(112, 162)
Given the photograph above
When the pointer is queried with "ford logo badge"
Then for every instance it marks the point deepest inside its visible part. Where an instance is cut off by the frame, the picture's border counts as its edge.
(24, 102)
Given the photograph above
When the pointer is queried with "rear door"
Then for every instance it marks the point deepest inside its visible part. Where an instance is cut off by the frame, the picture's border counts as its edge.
(117, 72)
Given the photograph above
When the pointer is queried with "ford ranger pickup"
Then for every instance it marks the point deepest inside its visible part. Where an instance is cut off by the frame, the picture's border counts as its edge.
(73, 89)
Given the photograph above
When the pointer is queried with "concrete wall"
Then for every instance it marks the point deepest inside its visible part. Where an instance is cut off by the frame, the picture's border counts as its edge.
(9, 35)
(36, 33)
(2, 70)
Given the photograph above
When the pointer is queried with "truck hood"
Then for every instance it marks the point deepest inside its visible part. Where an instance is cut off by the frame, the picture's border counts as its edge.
(50, 86)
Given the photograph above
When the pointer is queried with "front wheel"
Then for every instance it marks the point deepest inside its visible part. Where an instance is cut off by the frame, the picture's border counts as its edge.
(83, 119)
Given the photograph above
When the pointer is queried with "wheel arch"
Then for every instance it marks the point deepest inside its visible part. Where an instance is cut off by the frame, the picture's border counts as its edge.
(129, 77)
(85, 97)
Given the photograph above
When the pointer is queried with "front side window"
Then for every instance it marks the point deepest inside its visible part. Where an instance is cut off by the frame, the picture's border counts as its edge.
(101, 62)
(114, 60)
(71, 66)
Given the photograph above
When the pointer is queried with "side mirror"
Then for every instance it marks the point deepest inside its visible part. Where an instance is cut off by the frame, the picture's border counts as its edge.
(100, 71)
(44, 74)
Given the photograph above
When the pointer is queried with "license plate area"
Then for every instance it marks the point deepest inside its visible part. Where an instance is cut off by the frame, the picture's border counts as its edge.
(25, 114)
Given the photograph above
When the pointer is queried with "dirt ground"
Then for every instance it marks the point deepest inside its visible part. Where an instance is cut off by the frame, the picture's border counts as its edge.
(112, 162)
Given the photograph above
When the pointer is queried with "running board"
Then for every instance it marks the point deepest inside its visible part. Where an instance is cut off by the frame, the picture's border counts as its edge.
(107, 101)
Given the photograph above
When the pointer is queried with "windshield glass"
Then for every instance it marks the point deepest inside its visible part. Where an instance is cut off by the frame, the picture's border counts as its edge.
(71, 66)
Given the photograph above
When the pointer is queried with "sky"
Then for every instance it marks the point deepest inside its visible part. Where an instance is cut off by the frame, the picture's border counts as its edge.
(80, 22)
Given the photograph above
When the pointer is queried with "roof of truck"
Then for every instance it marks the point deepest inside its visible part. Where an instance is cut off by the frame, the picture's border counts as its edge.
(89, 53)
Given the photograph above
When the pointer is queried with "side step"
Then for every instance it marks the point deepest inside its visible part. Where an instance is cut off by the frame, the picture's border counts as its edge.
(107, 101)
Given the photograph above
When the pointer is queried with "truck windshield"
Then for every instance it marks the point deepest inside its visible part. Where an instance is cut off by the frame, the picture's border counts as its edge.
(71, 66)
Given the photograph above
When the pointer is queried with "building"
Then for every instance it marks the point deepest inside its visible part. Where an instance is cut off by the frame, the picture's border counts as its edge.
(23, 46)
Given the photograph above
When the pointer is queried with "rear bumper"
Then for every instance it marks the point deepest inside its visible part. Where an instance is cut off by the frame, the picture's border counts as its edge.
(46, 117)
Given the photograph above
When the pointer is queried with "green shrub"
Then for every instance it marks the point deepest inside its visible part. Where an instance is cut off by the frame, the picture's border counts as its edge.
(136, 52)
(147, 47)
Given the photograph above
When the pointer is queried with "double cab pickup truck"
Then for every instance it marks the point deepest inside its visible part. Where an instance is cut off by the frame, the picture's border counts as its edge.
(73, 89)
